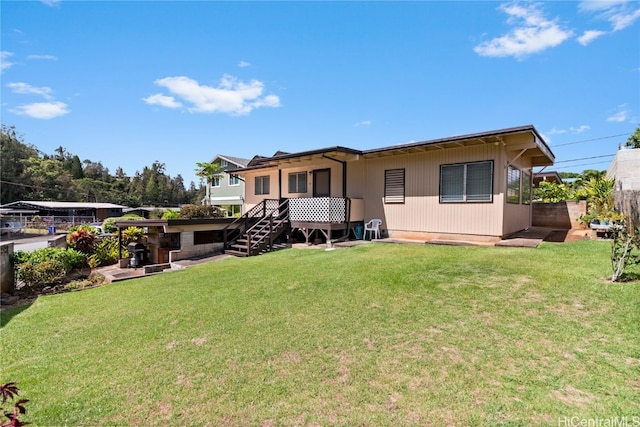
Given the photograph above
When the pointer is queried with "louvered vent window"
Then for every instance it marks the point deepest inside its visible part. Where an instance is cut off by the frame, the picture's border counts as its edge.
(394, 186)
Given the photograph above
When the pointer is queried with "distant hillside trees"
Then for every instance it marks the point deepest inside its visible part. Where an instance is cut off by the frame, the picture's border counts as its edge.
(28, 174)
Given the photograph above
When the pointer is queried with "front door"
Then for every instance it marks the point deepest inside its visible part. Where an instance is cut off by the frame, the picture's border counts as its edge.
(322, 183)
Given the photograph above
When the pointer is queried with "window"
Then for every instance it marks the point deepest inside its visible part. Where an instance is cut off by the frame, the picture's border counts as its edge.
(513, 185)
(202, 237)
(234, 180)
(298, 182)
(394, 186)
(526, 188)
(262, 185)
(466, 182)
(215, 181)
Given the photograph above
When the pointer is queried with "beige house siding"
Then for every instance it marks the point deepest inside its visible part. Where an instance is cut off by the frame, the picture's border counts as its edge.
(422, 211)
(517, 216)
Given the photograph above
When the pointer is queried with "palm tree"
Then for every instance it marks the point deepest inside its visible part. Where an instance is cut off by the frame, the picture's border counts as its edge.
(208, 170)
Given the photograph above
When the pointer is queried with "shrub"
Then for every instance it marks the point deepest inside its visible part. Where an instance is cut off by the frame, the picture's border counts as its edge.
(39, 274)
(622, 249)
(171, 214)
(82, 239)
(109, 224)
(106, 252)
(200, 211)
(70, 258)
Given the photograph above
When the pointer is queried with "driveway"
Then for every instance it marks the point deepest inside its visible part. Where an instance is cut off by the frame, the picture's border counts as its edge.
(28, 242)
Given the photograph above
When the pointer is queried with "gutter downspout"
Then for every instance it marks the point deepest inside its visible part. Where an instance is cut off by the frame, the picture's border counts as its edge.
(344, 173)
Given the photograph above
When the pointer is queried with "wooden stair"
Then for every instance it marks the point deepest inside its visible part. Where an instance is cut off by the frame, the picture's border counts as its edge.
(260, 238)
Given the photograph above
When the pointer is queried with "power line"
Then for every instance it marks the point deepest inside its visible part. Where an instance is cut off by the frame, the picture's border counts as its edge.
(588, 140)
(586, 164)
(585, 158)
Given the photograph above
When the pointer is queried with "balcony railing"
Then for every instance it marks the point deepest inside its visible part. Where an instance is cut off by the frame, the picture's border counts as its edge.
(319, 209)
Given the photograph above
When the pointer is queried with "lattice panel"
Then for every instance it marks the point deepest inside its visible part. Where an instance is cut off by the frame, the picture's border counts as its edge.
(317, 209)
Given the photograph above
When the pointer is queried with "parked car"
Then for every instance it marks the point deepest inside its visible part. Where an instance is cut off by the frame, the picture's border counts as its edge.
(98, 226)
(11, 227)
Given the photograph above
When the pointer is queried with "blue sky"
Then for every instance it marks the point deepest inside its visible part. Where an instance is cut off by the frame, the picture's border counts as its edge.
(129, 83)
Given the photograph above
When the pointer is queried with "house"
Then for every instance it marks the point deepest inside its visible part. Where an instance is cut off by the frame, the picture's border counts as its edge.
(551, 176)
(471, 187)
(226, 189)
(68, 212)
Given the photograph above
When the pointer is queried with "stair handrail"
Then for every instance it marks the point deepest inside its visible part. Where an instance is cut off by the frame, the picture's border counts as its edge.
(241, 224)
(280, 213)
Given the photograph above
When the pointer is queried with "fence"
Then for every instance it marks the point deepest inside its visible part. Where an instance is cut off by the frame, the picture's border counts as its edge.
(41, 225)
(628, 202)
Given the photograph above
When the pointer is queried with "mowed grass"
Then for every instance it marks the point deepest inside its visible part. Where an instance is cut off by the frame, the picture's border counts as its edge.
(375, 335)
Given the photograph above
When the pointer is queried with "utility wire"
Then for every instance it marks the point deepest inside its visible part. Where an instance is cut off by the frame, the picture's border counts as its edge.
(588, 140)
(584, 158)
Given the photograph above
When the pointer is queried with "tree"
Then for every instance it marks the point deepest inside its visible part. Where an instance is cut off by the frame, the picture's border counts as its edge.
(634, 139)
(14, 153)
(208, 170)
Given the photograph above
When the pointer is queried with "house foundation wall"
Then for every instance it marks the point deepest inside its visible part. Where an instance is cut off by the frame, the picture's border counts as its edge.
(427, 237)
(189, 250)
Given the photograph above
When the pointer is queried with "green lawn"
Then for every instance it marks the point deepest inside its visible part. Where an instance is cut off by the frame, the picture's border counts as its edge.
(374, 335)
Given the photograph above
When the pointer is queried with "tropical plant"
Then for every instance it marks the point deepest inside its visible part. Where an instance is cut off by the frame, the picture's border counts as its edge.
(551, 192)
(82, 239)
(600, 204)
(9, 391)
(132, 235)
(171, 214)
(106, 252)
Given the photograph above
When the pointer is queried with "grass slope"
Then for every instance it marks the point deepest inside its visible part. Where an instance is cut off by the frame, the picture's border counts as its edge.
(374, 335)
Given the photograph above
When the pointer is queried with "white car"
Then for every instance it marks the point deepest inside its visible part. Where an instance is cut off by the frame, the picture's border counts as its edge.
(11, 227)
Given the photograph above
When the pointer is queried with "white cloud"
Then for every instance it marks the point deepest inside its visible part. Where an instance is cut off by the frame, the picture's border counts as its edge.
(580, 129)
(571, 130)
(4, 60)
(231, 96)
(589, 36)
(45, 57)
(162, 100)
(51, 3)
(43, 110)
(619, 13)
(27, 89)
(620, 115)
(363, 123)
(244, 64)
(532, 33)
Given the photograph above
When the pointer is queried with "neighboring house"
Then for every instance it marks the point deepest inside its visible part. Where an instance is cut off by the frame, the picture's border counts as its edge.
(69, 211)
(546, 176)
(625, 169)
(226, 189)
(475, 186)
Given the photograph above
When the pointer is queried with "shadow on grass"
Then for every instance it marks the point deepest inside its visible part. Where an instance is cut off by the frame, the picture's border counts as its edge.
(9, 313)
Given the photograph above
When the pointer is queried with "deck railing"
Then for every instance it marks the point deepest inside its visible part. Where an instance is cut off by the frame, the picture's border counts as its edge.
(319, 209)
